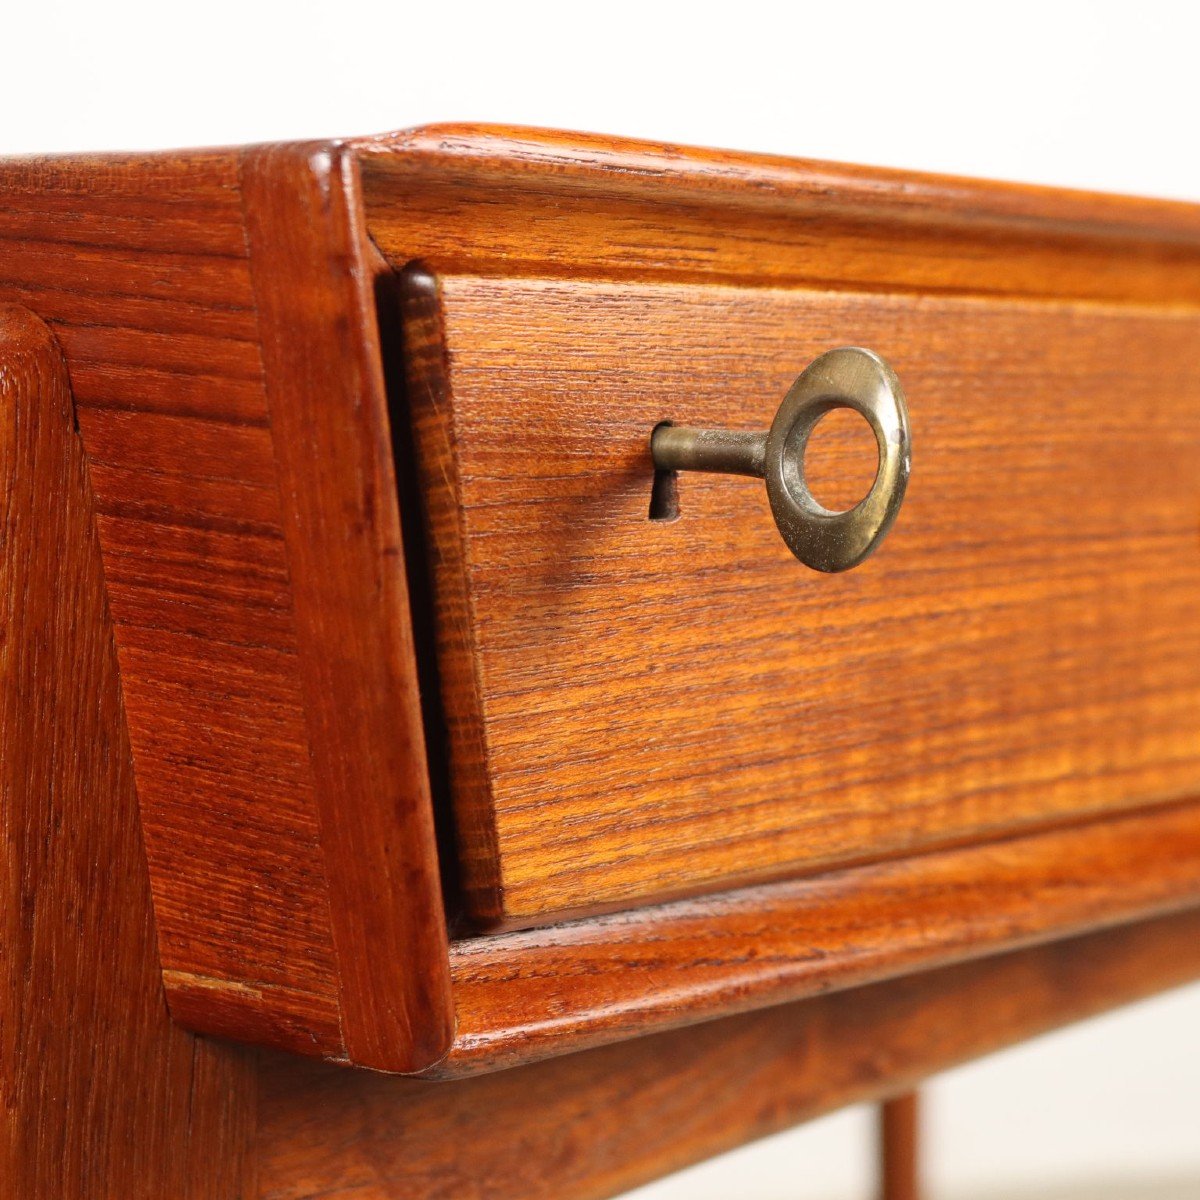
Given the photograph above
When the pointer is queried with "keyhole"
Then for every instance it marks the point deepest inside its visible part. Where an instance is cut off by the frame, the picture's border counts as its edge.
(664, 495)
(841, 459)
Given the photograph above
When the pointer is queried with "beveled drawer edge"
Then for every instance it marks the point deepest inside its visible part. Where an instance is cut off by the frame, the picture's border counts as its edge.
(524, 996)
(520, 202)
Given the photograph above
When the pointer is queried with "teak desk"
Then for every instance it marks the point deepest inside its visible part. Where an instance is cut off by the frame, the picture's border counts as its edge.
(392, 678)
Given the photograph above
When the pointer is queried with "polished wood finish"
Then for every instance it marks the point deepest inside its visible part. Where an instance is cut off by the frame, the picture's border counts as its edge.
(208, 616)
(532, 203)
(899, 1147)
(333, 450)
(710, 713)
(101, 1095)
(523, 996)
(707, 713)
(130, 1105)
(978, 707)
(595, 1124)
(264, 654)
(978, 704)
(140, 266)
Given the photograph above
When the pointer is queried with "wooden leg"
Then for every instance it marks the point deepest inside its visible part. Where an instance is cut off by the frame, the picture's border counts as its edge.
(100, 1094)
(899, 1146)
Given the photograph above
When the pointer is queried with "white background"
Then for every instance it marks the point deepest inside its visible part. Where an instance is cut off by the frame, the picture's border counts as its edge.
(1095, 95)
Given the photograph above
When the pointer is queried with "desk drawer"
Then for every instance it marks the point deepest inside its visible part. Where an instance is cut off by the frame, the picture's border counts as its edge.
(644, 709)
(659, 707)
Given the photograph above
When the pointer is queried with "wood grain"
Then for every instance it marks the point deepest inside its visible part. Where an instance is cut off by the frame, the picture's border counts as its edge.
(101, 1095)
(595, 1124)
(523, 996)
(140, 266)
(278, 756)
(333, 450)
(985, 743)
(534, 203)
(216, 316)
(642, 709)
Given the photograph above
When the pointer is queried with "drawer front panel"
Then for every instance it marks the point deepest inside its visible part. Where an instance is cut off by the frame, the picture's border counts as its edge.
(641, 708)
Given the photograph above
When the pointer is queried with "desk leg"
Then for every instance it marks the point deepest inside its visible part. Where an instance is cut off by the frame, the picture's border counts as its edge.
(899, 1138)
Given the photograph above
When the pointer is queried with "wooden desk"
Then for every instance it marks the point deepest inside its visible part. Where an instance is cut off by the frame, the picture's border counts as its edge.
(353, 702)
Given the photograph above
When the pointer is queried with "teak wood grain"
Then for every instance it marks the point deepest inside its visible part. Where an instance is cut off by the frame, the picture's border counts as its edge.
(533, 203)
(709, 713)
(333, 454)
(527, 995)
(1022, 767)
(260, 615)
(661, 707)
(101, 1094)
(208, 615)
(592, 1125)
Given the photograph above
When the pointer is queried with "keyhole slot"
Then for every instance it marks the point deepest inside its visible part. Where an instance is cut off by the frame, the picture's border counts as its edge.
(664, 492)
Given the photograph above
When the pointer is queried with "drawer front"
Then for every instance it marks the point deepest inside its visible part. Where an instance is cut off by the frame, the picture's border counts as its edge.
(641, 708)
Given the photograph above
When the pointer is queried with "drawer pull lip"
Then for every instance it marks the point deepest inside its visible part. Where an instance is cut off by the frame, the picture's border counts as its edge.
(849, 377)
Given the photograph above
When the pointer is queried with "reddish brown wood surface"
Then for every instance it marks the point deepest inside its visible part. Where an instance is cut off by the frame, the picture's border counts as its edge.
(281, 778)
(215, 313)
(523, 996)
(595, 1124)
(101, 1095)
(533, 203)
(637, 711)
(141, 267)
(333, 450)
(899, 1148)
(645, 709)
